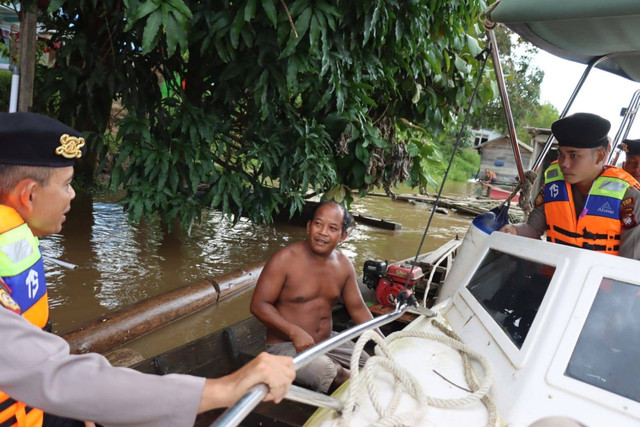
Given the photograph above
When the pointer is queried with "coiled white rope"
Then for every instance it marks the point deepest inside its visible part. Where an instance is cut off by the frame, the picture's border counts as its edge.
(404, 381)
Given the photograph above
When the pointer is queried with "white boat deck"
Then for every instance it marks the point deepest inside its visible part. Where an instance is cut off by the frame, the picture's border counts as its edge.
(559, 326)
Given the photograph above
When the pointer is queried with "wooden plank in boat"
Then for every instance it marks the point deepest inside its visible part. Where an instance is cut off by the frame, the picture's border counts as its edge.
(214, 355)
(435, 255)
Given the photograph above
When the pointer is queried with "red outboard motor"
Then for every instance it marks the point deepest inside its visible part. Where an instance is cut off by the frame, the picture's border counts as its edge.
(388, 284)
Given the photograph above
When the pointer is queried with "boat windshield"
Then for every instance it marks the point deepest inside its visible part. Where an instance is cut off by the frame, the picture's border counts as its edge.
(511, 290)
(608, 348)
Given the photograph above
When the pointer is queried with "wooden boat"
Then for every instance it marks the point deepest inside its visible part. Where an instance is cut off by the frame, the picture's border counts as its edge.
(223, 351)
(498, 192)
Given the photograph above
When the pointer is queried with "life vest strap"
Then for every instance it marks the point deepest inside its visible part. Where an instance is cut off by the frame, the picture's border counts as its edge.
(601, 248)
(597, 236)
(13, 419)
(586, 234)
(562, 242)
(566, 232)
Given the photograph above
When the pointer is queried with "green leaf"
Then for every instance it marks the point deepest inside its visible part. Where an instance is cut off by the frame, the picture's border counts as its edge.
(151, 31)
(473, 45)
(417, 93)
(174, 34)
(363, 97)
(54, 5)
(314, 33)
(250, 10)
(302, 23)
(141, 11)
(362, 154)
(181, 7)
(236, 27)
(270, 10)
(461, 65)
(340, 95)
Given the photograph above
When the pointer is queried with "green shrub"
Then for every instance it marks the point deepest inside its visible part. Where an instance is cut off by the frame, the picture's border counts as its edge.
(465, 165)
(5, 89)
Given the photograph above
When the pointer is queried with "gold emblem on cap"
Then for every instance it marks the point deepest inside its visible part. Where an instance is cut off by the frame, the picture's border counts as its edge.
(70, 147)
(625, 147)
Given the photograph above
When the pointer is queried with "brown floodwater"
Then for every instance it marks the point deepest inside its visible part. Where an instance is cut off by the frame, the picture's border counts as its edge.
(120, 263)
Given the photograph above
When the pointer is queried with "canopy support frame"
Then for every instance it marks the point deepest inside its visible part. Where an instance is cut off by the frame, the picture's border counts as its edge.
(504, 97)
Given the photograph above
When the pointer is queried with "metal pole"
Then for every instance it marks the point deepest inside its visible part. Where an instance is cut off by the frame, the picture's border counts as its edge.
(506, 105)
(235, 414)
(625, 126)
(15, 89)
(547, 145)
(314, 398)
(59, 262)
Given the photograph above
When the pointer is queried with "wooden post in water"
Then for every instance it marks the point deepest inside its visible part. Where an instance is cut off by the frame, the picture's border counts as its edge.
(115, 329)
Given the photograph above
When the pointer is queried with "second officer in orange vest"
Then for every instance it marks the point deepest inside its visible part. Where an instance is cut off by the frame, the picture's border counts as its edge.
(583, 202)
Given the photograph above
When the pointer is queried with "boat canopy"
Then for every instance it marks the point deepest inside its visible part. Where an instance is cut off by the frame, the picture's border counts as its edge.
(579, 30)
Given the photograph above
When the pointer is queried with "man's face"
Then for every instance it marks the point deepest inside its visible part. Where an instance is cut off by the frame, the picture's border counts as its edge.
(50, 202)
(325, 229)
(632, 165)
(579, 165)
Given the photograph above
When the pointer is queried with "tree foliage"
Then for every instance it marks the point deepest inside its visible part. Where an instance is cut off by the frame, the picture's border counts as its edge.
(522, 80)
(264, 100)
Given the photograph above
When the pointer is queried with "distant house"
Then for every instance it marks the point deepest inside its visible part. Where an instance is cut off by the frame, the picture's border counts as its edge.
(539, 137)
(480, 136)
(497, 155)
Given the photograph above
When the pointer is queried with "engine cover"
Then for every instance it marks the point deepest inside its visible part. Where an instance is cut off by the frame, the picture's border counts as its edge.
(386, 292)
(399, 274)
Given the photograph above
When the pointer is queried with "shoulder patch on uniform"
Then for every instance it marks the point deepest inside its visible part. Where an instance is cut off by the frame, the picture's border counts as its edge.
(7, 302)
(627, 217)
(539, 199)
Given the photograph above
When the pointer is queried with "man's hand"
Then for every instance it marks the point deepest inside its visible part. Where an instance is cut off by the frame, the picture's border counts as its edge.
(302, 340)
(277, 372)
(509, 229)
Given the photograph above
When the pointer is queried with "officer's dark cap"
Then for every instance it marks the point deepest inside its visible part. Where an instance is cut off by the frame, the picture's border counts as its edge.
(631, 146)
(581, 130)
(30, 139)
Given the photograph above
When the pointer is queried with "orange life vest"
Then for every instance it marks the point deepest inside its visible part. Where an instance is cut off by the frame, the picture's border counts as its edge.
(598, 226)
(23, 290)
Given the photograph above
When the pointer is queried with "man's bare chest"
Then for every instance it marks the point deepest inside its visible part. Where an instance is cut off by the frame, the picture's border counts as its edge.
(313, 284)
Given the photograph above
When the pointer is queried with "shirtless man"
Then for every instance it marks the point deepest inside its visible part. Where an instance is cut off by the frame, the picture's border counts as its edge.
(297, 290)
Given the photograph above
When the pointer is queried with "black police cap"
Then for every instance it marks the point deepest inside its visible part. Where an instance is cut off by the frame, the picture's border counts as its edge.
(581, 130)
(631, 146)
(30, 139)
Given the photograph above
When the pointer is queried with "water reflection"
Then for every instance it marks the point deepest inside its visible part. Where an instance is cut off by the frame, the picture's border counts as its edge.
(120, 264)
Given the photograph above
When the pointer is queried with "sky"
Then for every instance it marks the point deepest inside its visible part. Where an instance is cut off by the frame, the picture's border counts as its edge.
(603, 93)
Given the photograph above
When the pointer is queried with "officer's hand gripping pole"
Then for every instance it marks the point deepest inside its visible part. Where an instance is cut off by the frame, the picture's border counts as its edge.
(235, 414)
